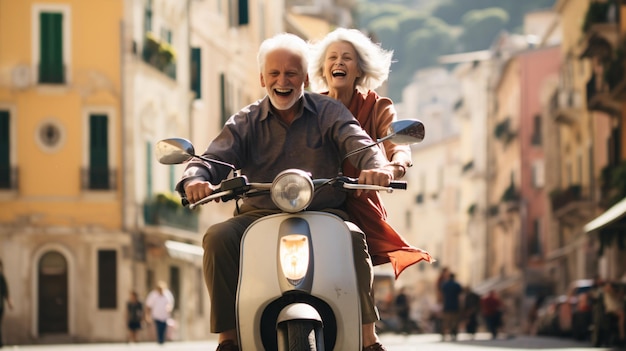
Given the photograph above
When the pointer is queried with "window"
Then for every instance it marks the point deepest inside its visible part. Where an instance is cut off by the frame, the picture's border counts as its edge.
(173, 178)
(5, 156)
(107, 279)
(51, 43)
(196, 72)
(535, 240)
(238, 13)
(536, 136)
(51, 67)
(148, 16)
(149, 168)
(175, 285)
(224, 98)
(99, 176)
(538, 174)
(243, 12)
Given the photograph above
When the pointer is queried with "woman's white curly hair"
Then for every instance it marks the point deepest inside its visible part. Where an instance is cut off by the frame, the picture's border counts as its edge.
(372, 59)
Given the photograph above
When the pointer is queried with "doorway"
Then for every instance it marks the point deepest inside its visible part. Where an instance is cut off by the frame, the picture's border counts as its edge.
(53, 294)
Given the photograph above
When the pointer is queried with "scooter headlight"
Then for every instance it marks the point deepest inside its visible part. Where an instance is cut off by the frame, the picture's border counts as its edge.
(294, 256)
(292, 190)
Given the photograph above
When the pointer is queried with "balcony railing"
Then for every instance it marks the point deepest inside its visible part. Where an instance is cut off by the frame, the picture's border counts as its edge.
(98, 178)
(613, 184)
(51, 74)
(566, 105)
(164, 211)
(562, 197)
(160, 55)
(600, 12)
(8, 178)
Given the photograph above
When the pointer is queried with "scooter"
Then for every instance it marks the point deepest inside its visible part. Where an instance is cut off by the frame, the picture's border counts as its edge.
(300, 294)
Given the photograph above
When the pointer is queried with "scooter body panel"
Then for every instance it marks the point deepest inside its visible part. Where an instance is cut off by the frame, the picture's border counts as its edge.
(334, 277)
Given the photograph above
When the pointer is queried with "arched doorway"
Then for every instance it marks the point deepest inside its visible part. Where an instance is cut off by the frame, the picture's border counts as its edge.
(53, 293)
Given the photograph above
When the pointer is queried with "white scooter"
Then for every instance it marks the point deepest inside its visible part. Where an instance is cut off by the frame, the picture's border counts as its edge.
(300, 294)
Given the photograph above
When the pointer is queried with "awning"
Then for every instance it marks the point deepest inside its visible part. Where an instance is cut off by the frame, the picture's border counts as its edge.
(184, 251)
(611, 215)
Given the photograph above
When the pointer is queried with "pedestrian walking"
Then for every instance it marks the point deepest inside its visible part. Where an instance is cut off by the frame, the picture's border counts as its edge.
(4, 296)
(451, 291)
(134, 316)
(402, 311)
(471, 310)
(491, 309)
(159, 306)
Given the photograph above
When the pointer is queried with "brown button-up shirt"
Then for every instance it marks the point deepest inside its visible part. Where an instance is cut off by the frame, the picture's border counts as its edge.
(258, 143)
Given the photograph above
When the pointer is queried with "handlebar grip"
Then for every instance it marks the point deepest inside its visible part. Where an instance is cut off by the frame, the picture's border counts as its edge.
(398, 184)
(184, 202)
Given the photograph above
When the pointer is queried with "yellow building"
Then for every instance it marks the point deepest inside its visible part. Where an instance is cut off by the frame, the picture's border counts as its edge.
(602, 45)
(61, 236)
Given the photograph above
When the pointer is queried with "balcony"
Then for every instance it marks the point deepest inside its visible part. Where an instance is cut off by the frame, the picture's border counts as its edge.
(613, 184)
(606, 91)
(96, 178)
(160, 55)
(51, 73)
(566, 105)
(572, 205)
(163, 210)
(601, 30)
(8, 178)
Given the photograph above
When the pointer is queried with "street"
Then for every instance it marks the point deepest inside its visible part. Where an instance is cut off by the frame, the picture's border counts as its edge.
(393, 342)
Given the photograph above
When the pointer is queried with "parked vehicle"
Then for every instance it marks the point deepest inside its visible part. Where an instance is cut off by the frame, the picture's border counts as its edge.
(604, 326)
(301, 293)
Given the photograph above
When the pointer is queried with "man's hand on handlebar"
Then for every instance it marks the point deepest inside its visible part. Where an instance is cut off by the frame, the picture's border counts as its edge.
(377, 176)
(196, 190)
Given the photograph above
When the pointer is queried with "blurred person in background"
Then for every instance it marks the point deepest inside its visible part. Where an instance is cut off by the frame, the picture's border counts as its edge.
(491, 308)
(451, 312)
(471, 310)
(4, 296)
(614, 305)
(134, 316)
(159, 306)
(346, 65)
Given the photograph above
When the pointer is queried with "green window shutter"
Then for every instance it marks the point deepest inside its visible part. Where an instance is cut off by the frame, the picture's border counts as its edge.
(5, 162)
(223, 98)
(149, 156)
(148, 17)
(196, 70)
(98, 152)
(172, 178)
(51, 48)
(243, 12)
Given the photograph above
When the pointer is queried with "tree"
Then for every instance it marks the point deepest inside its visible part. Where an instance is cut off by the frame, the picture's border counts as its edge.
(480, 27)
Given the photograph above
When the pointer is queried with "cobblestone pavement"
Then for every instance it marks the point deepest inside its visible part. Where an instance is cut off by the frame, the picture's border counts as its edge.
(393, 342)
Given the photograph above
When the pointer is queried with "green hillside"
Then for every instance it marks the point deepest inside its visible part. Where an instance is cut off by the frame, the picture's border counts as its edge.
(419, 31)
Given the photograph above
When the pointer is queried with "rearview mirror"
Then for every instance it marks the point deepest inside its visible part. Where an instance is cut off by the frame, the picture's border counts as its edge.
(174, 151)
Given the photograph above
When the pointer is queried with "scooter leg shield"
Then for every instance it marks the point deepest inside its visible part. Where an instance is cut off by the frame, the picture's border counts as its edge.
(333, 282)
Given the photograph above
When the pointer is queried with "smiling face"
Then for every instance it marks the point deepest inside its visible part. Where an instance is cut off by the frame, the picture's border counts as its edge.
(284, 78)
(341, 68)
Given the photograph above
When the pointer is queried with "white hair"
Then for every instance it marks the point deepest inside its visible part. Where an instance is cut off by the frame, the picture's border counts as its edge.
(286, 41)
(372, 59)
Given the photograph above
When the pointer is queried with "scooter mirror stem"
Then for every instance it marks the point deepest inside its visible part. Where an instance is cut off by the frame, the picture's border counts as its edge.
(210, 160)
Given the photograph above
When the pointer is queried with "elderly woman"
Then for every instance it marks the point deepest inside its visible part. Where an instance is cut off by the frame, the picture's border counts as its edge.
(348, 66)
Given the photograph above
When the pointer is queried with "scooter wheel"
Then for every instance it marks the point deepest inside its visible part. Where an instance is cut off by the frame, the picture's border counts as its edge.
(301, 335)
